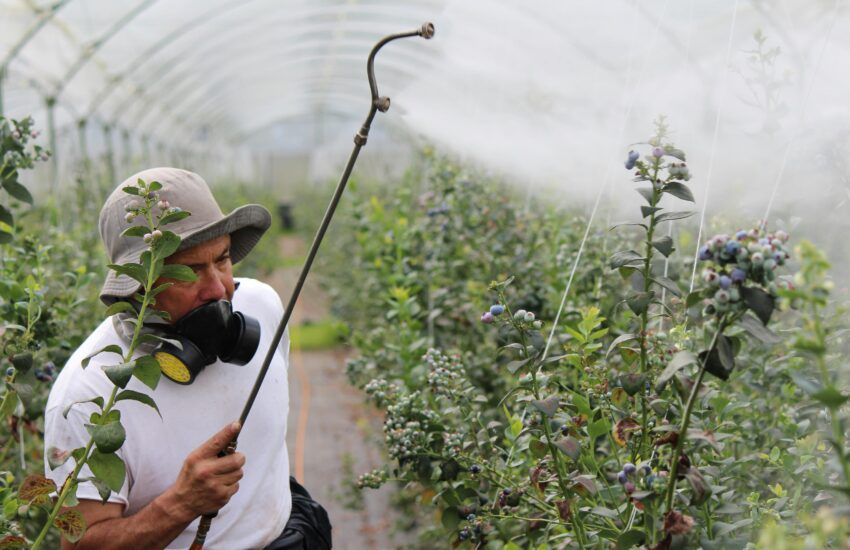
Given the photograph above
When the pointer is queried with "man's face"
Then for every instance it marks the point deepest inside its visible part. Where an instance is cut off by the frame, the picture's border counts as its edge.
(211, 263)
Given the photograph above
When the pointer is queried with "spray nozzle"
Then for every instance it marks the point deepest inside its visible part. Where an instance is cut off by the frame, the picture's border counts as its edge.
(427, 30)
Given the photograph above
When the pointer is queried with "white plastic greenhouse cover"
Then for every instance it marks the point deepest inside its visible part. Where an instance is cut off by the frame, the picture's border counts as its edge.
(517, 86)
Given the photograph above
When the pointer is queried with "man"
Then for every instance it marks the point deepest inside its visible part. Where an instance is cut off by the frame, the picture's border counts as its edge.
(174, 474)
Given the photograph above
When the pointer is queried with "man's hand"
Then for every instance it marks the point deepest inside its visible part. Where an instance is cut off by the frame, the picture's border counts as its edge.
(207, 481)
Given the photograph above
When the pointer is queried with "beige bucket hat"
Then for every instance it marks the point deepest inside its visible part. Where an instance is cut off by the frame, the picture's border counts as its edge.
(185, 190)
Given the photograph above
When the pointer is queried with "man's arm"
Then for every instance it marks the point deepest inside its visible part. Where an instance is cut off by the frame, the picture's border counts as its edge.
(205, 484)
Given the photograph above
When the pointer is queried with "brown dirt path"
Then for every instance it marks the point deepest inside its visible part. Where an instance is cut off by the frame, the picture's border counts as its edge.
(332, 434)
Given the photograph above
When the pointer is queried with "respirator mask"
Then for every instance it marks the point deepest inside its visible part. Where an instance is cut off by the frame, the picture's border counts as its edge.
(209, 332)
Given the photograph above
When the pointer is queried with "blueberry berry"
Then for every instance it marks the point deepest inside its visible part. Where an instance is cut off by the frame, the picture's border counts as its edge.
(629, 468)
(738, 275)
(497, 309)
(658, 152)
(622, 477)
(725, 282)
(475, 468)
(632, 159)
(487, 317)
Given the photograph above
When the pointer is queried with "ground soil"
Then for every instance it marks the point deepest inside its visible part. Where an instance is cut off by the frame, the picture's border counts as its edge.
(333, 436)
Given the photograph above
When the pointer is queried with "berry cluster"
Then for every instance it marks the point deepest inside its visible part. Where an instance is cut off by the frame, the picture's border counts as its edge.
(490, 316)
(405, 435)
(372, 480)
(733, 261)
(630, 472)
(380, 391)
(45, 374)
(444, 372)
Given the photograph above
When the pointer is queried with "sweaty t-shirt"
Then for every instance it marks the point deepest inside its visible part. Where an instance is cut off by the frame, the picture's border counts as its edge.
(155, 447)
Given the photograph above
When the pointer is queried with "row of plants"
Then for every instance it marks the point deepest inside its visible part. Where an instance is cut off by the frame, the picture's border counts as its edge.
(651, 414)
(48, 304)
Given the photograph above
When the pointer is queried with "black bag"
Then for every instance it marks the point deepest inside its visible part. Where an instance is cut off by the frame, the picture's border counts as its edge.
(308, 527)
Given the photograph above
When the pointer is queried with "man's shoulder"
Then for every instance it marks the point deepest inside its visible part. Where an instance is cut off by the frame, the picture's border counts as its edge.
(253, 293)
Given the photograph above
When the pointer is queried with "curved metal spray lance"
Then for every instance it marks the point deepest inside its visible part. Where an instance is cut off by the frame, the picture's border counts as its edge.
(379, 103)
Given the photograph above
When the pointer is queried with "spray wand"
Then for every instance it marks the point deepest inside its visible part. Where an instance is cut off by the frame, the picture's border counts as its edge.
(379, 103)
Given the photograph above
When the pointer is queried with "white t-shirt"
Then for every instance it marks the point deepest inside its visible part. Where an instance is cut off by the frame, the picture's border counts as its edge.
(155, 447)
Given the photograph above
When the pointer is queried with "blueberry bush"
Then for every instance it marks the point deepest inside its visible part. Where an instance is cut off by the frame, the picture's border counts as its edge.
(659, 412)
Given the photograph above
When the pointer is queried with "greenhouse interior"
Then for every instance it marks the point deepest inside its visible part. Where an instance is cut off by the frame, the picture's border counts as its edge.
(434, 274)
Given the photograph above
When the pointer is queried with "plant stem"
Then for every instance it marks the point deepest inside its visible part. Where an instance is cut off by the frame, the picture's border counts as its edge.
(71, 481)
(835, 421)
(644, 316)
(686, 417)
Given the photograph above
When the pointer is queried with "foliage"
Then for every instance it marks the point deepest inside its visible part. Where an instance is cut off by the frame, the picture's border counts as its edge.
(512, 433)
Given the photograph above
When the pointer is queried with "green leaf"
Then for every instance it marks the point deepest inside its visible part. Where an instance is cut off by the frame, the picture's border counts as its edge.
(548, 406)
(102, 488)
(675, 153)
(537, 448)
(132, 190)
(118, 307)
(6, 216)
(178, 272)
(667, 216)
(157, 339)
(17, 190)
(759, 301)
(108, 468)
(680, 190)
(450, 518)
(694, 298)
(629, 539)
(598, 428)
(664, 245)
(646, 192)
(647, 211)
(120, 374)
(111, 348)
(154, 186)
(639, 301)
(831, 397)
(108, 437)
(721, 360)
(9, 404)
(135, 271)
(701, 490)
(624, 258)
(619, 340)
(135, 231)
(137, 396)
(757, 329)
(669, 284)
(632, 382)
(677, 363)
(570, 446)
(148, 371)
(6, 237)
(166, 245)
(514, 366)
(172, 217)
(96, 400)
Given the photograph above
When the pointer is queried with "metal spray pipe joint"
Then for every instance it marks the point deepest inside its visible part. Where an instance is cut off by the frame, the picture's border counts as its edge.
(382, 103)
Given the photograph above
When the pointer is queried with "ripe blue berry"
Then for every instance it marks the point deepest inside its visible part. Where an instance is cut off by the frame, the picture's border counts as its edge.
(10, 371)
(629, 468)
(704, 253)
(725, 282)
(738, 275)
(622, 477)
(632, 159)
(497, 309)
(475, 468)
